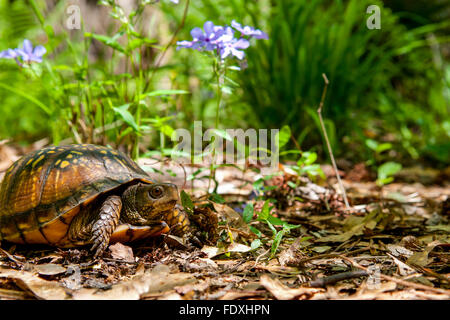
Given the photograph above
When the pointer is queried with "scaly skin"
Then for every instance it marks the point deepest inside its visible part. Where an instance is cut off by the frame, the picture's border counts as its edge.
(104, 227)
(147, 205)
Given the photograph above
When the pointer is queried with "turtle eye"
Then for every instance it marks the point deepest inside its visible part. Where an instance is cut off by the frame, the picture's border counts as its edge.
(156, 192)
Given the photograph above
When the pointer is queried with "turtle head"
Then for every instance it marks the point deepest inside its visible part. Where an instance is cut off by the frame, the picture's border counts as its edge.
(149, 201)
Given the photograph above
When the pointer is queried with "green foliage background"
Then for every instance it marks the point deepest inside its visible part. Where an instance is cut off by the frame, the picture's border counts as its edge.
(389, 85)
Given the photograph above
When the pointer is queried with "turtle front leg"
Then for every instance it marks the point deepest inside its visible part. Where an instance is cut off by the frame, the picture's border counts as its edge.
(103, 228)
(96, 226)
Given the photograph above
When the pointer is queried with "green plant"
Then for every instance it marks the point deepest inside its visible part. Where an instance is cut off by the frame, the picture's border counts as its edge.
(98, 101)
(386, 171)
(265, 216)
(365, 67)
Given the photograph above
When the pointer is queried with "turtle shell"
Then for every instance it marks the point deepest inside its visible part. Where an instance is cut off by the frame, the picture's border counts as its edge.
(42, 191)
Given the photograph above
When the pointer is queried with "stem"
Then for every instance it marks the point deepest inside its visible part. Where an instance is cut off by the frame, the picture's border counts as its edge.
(28, 97)
(171, 42)
(217, 71)
(319, 111)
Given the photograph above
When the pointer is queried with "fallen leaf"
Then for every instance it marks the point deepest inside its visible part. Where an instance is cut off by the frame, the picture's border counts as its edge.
(421, 258)
(49, 269)
(121, 252)
(28, 281)
(321, 249)
(156, 281)
(293, 254)
(403, 268)
(238, 247)
(212, 252)
(281, 292)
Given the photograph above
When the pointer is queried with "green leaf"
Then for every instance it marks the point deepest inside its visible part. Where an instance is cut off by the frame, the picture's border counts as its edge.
(256, 244)
(372, 144)
(247, 215)
(186, 202)
(28, 97)
(388, 169)
(292, 184)
(109, 41)
(255, 231)
(283, 136)
(166, 130)
(265, 211)
(216, 198)
(158, 93)
(127, 116)
(383, 147)
(309, 157)
(276, 242)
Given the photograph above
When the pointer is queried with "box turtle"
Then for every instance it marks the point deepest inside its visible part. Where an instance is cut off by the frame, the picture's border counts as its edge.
(84, 195)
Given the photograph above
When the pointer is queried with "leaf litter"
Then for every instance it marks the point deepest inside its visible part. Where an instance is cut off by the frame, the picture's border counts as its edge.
(393, 243)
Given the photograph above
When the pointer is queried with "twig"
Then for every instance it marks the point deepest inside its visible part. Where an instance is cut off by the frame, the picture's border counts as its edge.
(332, 255)
(323, 282)
(11, 257)
(400, 281)
(319, 111)
(260, 256)
(169, 44)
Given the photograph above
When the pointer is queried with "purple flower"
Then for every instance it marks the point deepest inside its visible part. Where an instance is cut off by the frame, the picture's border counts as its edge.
(174, 1)
(9, 54)
(234, 47)
(28, 54)
(207, 39)
(187, 44)
(222, 39)
(249, 31)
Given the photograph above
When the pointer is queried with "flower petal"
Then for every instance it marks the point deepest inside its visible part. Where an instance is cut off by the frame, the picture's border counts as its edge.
(197, 33)
(258, 34)
(236, 25)
(241, 44)
(27, 46)
(8, 54)
(225, 52)
(238, 54)
(208, 27)
(39, 51)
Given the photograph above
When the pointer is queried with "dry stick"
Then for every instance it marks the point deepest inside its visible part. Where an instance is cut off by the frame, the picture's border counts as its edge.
(325, 281)
(319, 111)
(331, 255)
(400, 281)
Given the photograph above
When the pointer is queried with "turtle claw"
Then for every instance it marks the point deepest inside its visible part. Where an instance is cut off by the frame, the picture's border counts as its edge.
(103, 227)
(99, 245)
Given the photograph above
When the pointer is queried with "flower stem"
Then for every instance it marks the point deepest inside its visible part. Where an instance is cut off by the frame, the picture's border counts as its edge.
(218, 73)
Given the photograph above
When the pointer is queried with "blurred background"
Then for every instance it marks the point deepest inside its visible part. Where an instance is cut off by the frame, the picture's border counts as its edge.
(388, 98)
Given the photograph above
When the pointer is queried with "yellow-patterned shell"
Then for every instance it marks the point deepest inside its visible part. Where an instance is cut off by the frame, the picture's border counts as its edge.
(42, 191)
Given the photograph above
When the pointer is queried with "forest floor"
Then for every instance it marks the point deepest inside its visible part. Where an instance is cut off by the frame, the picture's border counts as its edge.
(392, 243)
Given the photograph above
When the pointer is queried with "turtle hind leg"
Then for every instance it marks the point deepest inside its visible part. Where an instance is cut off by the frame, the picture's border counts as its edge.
(103, 228)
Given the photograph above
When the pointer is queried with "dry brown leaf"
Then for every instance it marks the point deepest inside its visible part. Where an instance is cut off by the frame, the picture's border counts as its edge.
(292, 255)
(281, 292)
(232, 218)
(157, 281)
(49, 269)
(28, 281)
(421, 258)
(121, 252)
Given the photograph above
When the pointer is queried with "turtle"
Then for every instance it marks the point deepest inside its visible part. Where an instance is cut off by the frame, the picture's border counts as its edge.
(85, 194)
